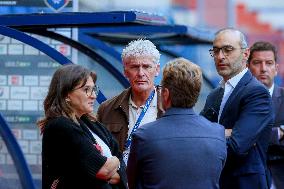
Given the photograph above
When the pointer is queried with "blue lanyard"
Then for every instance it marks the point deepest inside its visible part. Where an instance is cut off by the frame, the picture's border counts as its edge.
(142, 114)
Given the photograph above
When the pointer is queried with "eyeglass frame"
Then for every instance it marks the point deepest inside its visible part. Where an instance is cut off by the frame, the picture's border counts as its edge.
(223, 48)
(89, 92)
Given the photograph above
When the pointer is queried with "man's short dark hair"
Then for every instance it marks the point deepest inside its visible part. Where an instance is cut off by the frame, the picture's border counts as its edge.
(262, 46)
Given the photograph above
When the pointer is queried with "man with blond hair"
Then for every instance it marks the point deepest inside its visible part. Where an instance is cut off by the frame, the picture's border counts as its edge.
(174, 152)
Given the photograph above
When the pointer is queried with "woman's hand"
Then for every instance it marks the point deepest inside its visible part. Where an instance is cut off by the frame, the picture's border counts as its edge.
(108, 169)
(115, 179)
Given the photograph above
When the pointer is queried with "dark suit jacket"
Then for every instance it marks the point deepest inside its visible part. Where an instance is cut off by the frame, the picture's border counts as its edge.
(278, 107)
(69, 154)
(248, 112)
(180, 150)
(276, 148)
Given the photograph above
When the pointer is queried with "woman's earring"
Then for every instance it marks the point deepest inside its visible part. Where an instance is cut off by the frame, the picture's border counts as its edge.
(67, 100)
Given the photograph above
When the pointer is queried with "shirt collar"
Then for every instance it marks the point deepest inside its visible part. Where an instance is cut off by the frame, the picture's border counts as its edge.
(153, 103)
(234, 80)
(271, 89)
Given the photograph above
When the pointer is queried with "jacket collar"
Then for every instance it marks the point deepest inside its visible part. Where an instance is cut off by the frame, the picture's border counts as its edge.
(277, 101)
(179, 111)
(86, 123)
(277, 92)
(247, 77)
(123, 103)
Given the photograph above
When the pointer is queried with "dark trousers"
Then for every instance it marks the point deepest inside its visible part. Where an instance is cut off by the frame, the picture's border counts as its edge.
(246, 181)
(277, 172)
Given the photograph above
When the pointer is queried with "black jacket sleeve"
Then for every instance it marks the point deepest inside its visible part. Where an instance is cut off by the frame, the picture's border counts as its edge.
(66, 148)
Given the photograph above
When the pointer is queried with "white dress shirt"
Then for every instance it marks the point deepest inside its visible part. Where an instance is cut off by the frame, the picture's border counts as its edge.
(229, 87)
(105, 149)
(271, 90)
(134, 112)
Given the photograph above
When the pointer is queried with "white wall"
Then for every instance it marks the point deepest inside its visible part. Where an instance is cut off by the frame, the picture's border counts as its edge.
(109, 5)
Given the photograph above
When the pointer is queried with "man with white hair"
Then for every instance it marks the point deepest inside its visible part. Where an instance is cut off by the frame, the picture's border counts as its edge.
(140, 103)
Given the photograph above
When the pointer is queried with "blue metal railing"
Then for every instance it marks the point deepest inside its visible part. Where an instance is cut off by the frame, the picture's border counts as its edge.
(17, 155)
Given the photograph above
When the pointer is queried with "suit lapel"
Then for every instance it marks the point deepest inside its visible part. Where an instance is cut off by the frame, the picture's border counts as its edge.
(275, 95)
(87, 133)
(95, 128)
(276, 101)
(239, 88)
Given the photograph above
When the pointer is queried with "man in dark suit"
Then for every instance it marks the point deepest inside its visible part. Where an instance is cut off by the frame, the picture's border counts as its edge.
(245, 110)
(174, 151)
(262, 62)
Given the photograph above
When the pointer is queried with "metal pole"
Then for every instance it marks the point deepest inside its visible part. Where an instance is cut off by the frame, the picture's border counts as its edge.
(200, 13)
(231, 22)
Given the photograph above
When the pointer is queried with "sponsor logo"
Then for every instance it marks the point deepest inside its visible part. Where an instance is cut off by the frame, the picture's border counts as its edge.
(56, 5)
